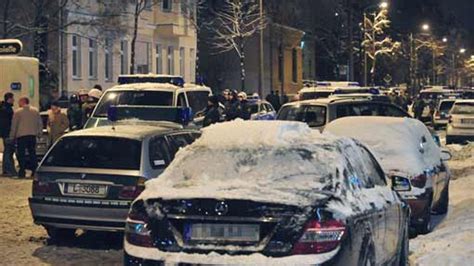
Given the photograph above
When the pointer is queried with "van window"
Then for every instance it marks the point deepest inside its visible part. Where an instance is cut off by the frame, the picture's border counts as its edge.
(197, 100)
(313, 115)
(137, 98)
(181, 100)
(96, 152)
(159, 153)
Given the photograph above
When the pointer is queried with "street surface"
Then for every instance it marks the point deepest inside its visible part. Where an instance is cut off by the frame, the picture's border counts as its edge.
(23, 243)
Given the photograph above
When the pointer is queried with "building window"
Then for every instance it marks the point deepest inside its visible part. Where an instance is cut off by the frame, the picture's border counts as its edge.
(181, 61)
(92, 59)
(192, 57)
(170, 60)
(280, 64)
(159, 59)
(123, 57)
(108, 60)
(76, 56)
(295, 65)
(143, 58)
(166, 5)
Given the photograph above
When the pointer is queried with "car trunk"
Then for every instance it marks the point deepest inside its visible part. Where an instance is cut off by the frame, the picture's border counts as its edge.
(462, 121)
(228, 226)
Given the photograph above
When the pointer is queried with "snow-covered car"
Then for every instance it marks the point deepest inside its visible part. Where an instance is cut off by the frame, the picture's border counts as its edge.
(89, 178)
(266, 193)
(261, 110)
(149, 95)
(461, 122)
(405, 148)
(441, 114)
(317, 113)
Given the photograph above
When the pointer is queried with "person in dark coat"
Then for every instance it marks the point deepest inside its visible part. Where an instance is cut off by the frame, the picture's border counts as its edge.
(233, 107)
(418, 108)
(243, 108)
(212, 113)
(74, 113)
(6, 116)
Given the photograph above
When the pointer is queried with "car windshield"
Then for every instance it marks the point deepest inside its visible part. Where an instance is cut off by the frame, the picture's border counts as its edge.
(137, 98)
(96, 152)
(197, 100)
(446, 106)
(463, 109)
(313, 115)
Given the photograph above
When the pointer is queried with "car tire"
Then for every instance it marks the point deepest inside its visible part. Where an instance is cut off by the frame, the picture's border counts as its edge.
(367, 256)
(405, 248)
(57, 234)
(443, 205)
(425, 227)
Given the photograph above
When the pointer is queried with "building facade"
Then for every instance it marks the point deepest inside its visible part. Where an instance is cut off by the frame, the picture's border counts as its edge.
(97, 54)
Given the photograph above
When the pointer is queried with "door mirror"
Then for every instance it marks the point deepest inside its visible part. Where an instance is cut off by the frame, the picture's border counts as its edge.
(446, 155)
(400, 184)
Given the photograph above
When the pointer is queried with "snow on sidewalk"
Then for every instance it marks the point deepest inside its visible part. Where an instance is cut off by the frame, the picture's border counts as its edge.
(452, 241)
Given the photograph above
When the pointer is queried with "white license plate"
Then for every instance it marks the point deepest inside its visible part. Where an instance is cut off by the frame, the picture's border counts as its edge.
(467, 121)
(86, 189)
(225, 232)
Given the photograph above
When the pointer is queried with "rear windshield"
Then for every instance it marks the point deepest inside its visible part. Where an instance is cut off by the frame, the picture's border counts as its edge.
(446, 106)
(463, 109)
(197, 100)
(313, 115)
(96, 152)
(139, 98)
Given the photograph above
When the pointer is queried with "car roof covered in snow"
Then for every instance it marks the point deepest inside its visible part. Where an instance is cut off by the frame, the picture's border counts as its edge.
(396, 142)
(329, 100)
(137, 131)
(465, 101)
(262, 161)
(156, 86)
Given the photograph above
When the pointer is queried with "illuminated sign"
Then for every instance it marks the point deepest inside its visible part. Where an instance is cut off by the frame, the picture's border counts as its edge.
(10, 47)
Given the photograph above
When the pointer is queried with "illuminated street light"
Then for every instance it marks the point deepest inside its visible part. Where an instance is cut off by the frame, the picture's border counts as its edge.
(383, 5)
(462, 50)
(425, 27)
(445, 39)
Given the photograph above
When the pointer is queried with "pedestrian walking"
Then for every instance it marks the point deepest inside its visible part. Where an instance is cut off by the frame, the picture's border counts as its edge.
(26, 126)
(58, 123)
(212, 113)
(6, 116)
(74, 113)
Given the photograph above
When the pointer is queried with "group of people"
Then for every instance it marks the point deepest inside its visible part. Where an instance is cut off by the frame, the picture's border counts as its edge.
(228, 106)
(20, 128)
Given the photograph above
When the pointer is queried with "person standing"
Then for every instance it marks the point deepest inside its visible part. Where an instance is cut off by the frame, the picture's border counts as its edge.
(6, 116)
(26, 126)
(88, 107)
(212, 113)
(58, 123)
(74, 113)
(244, 112)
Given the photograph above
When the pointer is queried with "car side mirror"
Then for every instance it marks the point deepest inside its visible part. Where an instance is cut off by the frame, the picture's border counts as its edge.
(400, 184)
(446, 155)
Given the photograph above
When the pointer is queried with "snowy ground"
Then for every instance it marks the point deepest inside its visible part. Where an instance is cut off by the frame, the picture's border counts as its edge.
(23, 243)
(452, 241)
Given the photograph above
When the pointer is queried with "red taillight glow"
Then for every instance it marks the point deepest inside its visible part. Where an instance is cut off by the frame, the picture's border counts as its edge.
(320, 237)
(131, 192)
(437, 115)
(418, 181)
(136, 229)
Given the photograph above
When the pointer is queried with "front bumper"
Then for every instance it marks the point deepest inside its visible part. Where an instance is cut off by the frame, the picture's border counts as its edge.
(80, 213)
(134, 255)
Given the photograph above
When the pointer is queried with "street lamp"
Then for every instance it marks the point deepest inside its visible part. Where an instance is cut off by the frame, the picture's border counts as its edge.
(445, 40)
(462, 50)
(425, 27)
(383, 5)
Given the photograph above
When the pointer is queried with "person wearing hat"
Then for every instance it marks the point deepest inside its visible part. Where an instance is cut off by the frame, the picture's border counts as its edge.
(88, 107)
(212, 113)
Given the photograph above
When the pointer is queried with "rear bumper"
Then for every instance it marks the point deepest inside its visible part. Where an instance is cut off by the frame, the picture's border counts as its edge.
(87, 214)
(134, 255)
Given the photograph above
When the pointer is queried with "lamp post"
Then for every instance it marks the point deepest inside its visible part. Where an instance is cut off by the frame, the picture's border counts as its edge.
(261, 72)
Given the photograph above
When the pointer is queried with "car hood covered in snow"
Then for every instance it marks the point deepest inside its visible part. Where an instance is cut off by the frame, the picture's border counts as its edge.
(396, 142)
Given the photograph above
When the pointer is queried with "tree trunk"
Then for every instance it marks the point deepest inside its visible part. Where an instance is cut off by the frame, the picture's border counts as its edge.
(5, 19)
(134, 36)
(242, 67)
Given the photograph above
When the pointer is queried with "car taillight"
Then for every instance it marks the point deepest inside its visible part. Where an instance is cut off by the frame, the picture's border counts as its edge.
(137, 230)
(450, 119)
(419, 181)
(320, 237)
(42, 187)
(437, 115)
(132, 192)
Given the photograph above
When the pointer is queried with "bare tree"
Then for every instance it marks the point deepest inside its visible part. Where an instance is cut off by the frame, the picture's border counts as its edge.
(235, 22)
(376, 43)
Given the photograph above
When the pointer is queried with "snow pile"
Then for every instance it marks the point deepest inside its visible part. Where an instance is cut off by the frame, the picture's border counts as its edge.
(396, 142)
(462, 152)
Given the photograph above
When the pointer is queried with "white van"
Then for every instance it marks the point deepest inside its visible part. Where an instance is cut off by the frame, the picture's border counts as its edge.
(149, 95)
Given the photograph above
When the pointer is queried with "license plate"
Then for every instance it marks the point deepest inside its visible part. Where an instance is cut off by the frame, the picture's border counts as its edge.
(467, 121)
(86, 189)
(224, 232)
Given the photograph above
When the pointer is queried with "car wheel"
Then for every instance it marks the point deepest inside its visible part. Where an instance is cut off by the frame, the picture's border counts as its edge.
(60, 233)
(425, 227)
(443, 201)
(405, 248)
(367, 256)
